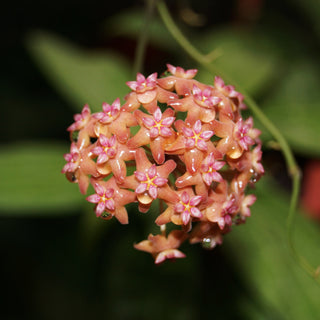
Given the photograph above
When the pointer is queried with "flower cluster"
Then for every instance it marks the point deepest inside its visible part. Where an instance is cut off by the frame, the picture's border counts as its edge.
(190, 148)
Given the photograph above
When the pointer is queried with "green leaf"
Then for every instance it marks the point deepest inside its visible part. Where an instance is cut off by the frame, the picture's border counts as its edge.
(249, 59)
(311, 9)
(261, 251)
(131, 23)
(31, 181)
(81, 76)
(294, 108)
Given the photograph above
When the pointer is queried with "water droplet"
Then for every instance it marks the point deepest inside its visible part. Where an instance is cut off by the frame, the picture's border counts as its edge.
(208, 243)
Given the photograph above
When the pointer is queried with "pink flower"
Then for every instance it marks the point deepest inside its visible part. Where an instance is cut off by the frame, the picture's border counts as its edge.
(248, 201)
(143, 84)
(79, 166)
(188, 207)
(204, 97)
(180, 72)
(209, 169)
(72, 158)
(103, 198)
(196, 138)
(163, 248)
(158, 125)
(110, 200)
(81, 119)
(149, 182)
(242, 133)
(107, 148)
(229, 91)
(110, 112)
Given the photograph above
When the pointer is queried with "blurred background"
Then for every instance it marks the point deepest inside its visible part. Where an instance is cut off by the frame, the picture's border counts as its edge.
(57, 260)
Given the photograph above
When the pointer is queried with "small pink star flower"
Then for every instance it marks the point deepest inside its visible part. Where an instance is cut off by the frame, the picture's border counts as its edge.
(209, 169)
(143, 84)
(81, 119)
(196, 138)
(107, 148)
(110, 112)
(163, 248)
(182, 73)
(72, 158)
(187, 207)
(242, 133)
(111, 199)
(229, 91)
(149, 182)
(103, 198)
(248, 201)
(158, 125)
(204, 97)
(145, 89)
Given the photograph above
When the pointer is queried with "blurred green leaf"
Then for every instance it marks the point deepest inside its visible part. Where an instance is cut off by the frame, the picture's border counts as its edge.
(81, 76)
(131, 23)
(311, 8)
(31, 180)
(249, 59)
(264, 258)
(294, 107)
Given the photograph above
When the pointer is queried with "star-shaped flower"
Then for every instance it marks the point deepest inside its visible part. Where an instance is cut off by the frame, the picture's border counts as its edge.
(150, 181)
(163, 248)
(79, 166)
(112, 156)
(155, 131)
(110, 112)
(145, 88)
(187, 207)
(110, 200)
(81, 119)
(114, 120)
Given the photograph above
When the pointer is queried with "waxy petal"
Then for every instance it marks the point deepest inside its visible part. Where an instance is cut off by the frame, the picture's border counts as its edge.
(160, 181)
(142, 187)
(153, 191)
(140, 176)
(94, 198)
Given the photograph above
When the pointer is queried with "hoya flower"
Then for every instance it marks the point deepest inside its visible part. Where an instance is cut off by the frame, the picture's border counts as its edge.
(112, 157)
(106, 149)
(209, 169)
(110, 200)
(110, 112)
(205, 97)
(81, 119)
(230, 92)
(114, 120)
(182, 73)
(187, 207)
(193, 143)
(79, 166)
(155, 130)
(145, 88)
(73, 159)
(242, 132)
(247, 201)
(150, 181)
(163, 248)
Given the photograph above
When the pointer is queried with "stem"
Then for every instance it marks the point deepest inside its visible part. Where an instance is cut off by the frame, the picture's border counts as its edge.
(292, 166)
(143, 38)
